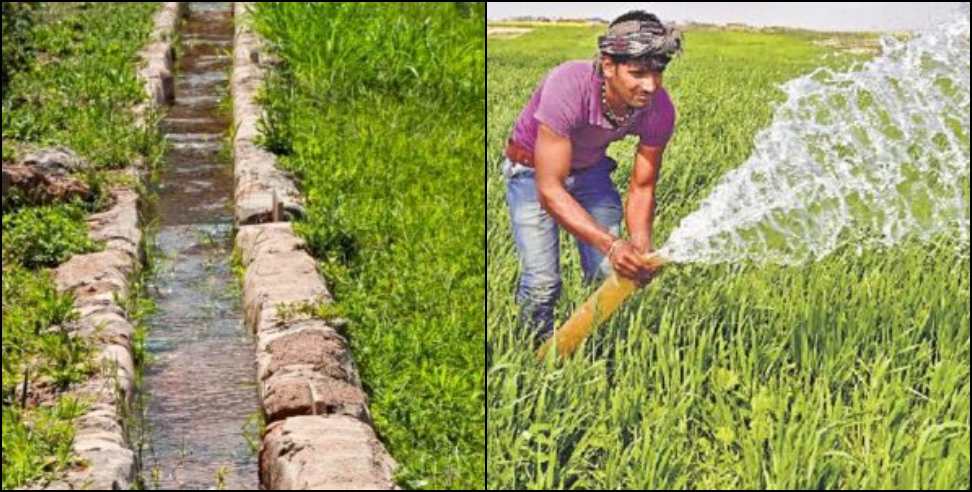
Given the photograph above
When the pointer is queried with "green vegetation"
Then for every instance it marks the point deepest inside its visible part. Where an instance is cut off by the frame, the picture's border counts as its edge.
(34, 336)
(378, 111)
(45, 236)
(81, 82)
(37, 346)
(69, 80)
(38, 442)
(18, 20)
(850, 373)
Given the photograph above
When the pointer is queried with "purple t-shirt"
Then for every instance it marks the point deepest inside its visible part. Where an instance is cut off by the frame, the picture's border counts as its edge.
(568, 101)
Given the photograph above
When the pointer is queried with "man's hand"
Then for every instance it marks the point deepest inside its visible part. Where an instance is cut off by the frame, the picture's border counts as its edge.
(629, 262)
(645, 248)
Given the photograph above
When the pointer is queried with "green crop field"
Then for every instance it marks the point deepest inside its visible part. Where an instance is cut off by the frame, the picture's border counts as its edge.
(378, 111)
(848, 373)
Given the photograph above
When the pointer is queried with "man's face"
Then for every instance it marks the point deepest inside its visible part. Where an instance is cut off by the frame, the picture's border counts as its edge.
(633, 82)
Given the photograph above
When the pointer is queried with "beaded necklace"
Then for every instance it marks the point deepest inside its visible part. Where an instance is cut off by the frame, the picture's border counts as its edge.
(615, 120)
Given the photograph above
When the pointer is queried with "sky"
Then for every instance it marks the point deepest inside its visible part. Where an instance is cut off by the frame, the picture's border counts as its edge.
(830, 16)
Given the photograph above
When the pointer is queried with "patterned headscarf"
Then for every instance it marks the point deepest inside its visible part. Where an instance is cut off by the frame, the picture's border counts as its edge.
(639, 39)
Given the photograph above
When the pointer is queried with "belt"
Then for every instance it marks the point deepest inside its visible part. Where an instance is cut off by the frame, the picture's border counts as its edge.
(519, 154)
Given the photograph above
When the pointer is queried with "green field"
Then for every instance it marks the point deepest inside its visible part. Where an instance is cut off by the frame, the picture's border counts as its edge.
(378, 111)
(68, 80)
(850, 373)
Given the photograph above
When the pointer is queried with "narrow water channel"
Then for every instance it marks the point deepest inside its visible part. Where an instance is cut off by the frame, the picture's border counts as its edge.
(199, 386)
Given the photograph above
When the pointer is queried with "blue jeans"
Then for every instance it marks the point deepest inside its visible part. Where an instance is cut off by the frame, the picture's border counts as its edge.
(538, 241)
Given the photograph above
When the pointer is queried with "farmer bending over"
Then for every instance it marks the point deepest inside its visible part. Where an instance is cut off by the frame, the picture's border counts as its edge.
(559, 175)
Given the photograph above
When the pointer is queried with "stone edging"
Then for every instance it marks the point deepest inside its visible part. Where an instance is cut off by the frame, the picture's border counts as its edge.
(264, 193)
(319, 432)
(158, 56)
(99, 282)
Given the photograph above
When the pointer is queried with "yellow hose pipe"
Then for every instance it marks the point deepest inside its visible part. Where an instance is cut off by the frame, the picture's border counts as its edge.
(596, 310)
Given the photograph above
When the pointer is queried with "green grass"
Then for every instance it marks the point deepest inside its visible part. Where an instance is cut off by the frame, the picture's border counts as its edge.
(71, 83)
(45, 236)
(81, 83)
(36, 440)
(378, 110)
(848, 373)
(31, 307)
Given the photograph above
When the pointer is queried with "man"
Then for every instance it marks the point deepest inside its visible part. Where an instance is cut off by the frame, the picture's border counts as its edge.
(558, 174)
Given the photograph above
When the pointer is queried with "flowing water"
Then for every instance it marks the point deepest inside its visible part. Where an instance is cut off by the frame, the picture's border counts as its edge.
(200, 382)
(870, 156)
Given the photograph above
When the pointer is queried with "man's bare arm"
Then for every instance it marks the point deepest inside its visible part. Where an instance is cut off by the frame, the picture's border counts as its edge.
(553, 156)
(640, 207)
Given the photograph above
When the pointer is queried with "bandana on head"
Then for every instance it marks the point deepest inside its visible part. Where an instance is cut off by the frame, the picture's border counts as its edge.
(637, 39)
